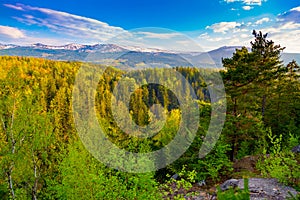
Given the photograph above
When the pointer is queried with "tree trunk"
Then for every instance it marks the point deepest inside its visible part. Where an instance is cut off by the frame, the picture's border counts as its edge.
(263, 107)
(34, 187)
(234, 108)
(10, 183)
(233, 146)
(10, 137)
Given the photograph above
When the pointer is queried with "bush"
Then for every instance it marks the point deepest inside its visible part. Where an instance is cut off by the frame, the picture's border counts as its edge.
(85, 177)
(280, 164)
(177, 188)
(211, 168)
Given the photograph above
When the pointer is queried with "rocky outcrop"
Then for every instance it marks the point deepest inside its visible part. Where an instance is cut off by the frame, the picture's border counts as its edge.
(296, 149)
(264, 188)
(259, 188)
(233, 183)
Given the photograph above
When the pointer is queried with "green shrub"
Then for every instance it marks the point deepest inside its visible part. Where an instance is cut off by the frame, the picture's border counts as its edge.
(280, 164)
(216, 164)
(177, 188)
(85, 177)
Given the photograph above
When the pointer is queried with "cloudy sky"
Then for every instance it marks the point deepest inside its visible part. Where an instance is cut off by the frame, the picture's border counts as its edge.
(210, 24)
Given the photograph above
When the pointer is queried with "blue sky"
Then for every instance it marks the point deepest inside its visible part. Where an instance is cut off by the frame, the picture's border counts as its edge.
(210, 24)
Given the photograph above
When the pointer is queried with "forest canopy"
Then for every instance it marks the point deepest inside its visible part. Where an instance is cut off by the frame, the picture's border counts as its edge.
(42, 156)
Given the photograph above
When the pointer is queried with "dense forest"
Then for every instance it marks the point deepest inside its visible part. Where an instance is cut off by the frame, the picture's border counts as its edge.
(43, 157)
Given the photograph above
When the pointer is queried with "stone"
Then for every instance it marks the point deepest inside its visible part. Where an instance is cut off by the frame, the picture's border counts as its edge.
(229, 183)
(175, 177)
(259, 189)
(267, 188)
(201, 183)
(296, 149)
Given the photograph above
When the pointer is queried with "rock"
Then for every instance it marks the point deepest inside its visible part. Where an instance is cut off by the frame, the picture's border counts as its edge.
(229, 183)
(175, 177)
(264, 188)
(201, 196)
(259, 188)
(201, 183)
(296, 149)
(247, 163)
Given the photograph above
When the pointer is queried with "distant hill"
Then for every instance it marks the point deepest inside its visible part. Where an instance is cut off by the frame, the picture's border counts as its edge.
(128, 56)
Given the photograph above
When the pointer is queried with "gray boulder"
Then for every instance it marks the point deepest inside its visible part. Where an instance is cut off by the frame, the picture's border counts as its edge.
(296, 149)
(229, 183)
(175, 177)
(267, 188)
(259, 189)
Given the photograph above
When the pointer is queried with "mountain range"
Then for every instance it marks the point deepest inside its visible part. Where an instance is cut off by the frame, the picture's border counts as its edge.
(128, 56)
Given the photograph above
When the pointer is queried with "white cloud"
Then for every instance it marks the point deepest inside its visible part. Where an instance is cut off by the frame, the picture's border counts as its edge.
(253, 2)
(283, 29)
(44, 40)
(218, 39)
(290, 25)
(247, 7)
(240, 30)
(159, 35)
(247, 2)
(11, 32)
(286, 34)
(203, 35)
(66, 23)
(263, 20)
(223, 27)
(296, 9)
(286, 31)
(270, 30)
(234, 41)
(183, 42)
(188, 45)
(288, 39)
(245, 36)
(13, 7)
(291, 15)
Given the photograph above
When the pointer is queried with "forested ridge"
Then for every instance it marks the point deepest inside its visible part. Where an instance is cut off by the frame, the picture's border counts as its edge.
(42, 157)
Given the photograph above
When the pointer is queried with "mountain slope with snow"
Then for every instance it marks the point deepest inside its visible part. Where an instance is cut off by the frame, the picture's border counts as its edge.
(130, 56)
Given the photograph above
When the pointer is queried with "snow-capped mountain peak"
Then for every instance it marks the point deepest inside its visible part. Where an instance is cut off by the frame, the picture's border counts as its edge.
(63, 47)
(7, 46)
